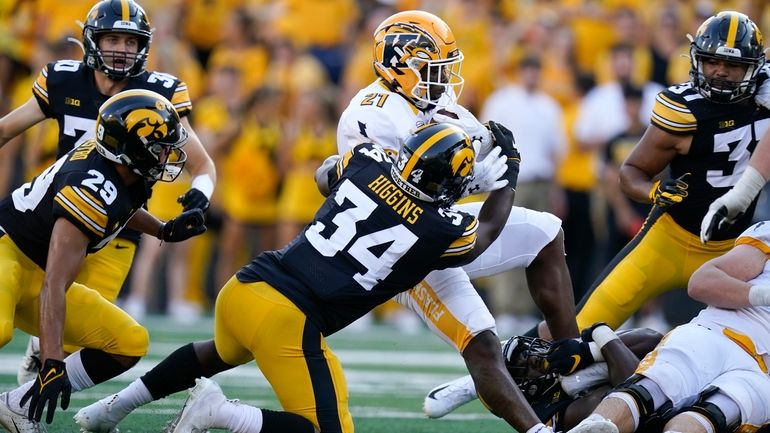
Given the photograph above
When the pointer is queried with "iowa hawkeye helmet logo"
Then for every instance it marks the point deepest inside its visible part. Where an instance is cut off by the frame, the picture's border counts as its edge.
(147, 124)
(462, 162)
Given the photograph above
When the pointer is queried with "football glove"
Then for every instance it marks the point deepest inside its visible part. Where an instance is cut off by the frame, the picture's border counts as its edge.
(669, 192)
(51, 382)
(188, 224)
(487, 173)
(194, 199)
(568, 355)
(725, 210)
(504, 139)
(459, 116)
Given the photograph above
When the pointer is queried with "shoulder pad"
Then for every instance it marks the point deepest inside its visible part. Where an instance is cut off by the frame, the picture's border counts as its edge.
(671, 111)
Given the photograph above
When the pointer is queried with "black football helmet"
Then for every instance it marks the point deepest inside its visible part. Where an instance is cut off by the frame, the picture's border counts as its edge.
(141, 130)
(733, 37)
(517, 352)
(435, 163)
(116, 16)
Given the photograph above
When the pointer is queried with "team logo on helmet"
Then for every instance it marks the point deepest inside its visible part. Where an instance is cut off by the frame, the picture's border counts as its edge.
(146, 124)
(462, 162)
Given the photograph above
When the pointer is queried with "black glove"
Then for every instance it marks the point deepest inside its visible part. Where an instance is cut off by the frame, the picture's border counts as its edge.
(188, 224)
(568, 356)
(588, 334)
(51, 382)
(194, 199)
(669, 192)
(504, 138)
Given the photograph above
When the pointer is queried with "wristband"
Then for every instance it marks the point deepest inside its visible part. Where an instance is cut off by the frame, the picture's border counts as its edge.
(603, 335)
(536, 428)
(759, 295)
(204, 184)
(596, 352)
(745, 190)
(750, 183)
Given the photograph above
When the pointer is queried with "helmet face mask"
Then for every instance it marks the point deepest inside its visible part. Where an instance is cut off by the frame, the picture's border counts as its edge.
(435, 164)
(525, 359)
(110, 17)
(732, 38)
(415, 53)
(141, 130)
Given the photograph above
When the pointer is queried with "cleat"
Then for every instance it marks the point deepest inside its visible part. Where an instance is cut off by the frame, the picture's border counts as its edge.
(30, 364)
(449, 396)
(100, 417)
(197, 414)
(16, 422)
(595, 424)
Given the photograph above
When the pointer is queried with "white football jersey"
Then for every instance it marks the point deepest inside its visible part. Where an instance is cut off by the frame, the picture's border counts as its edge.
(751, 321)
(377, 115)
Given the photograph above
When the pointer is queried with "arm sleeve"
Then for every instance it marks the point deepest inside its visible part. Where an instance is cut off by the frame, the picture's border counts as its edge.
(464, 244)
(82, 208)
(40, 91)
(758, 236)
(672, 115)
(181, 99)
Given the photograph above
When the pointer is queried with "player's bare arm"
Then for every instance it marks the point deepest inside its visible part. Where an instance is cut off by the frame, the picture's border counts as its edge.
(19, 120)
(65, 257)
(649, 157)
(188, 224)
(722, 282)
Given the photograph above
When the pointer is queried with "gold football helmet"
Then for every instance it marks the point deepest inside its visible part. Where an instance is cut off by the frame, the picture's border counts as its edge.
(416, 54)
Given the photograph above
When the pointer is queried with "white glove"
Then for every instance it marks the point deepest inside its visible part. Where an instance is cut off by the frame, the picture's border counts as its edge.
(487, 173)
(480, 135)
(726, 209)
(762, 98)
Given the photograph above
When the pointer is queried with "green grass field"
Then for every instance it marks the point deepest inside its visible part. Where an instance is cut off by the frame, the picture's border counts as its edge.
(388, 374)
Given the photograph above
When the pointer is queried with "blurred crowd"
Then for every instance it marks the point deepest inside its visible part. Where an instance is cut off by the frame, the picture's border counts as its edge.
(573, 79)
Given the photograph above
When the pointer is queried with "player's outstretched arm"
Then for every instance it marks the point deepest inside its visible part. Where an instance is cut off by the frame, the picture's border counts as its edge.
(19, 120)
(186, 225)
(494, 213)
(202, 170)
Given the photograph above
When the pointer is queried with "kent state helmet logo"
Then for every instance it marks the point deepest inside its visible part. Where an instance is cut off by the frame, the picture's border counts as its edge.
(146, 124)
(462, 162)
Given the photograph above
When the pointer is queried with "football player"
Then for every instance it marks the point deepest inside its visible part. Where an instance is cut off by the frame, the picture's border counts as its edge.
(417, 63)
(116, 41)
(704, 132)
(279, 308)
(73, 208)
(712, 372)
(533, 363)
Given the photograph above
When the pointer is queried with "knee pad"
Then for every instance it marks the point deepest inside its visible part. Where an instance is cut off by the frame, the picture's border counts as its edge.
(650, 419)
(711, 411)
(133, 341)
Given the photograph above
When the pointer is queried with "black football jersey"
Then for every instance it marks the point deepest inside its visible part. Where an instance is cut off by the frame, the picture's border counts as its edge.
(82, 187)
(368, 242)
(723, 139)
(66, 91)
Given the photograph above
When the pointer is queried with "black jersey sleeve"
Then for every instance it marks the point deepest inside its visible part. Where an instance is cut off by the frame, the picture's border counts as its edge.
(80, 206)
(671, 112)
(40, 90)
(456, 253)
